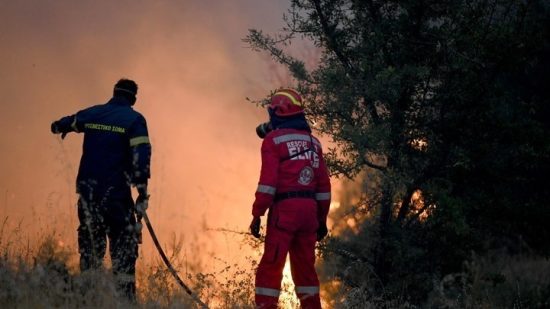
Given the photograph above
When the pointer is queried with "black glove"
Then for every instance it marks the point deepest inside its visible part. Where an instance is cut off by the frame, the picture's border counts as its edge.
(142, 189)
(55, 129)
(142, 202)
(137, 228)
(255, 227)
(322, 231)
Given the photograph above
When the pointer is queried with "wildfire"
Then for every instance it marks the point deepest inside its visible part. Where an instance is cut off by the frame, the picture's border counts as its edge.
(418, 206)
(288, 298)
(420, 144)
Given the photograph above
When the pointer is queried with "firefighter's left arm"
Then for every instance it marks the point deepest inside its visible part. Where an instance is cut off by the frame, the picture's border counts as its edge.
(268, 178)
(141, 154)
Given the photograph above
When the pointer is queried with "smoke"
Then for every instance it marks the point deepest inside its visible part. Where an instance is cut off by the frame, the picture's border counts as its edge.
(193, 72)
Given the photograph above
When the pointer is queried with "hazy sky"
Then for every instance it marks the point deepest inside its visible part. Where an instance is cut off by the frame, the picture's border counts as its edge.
(193, 72)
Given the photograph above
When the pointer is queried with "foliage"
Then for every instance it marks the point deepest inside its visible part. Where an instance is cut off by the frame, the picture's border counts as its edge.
(445, 107)
(495, 281)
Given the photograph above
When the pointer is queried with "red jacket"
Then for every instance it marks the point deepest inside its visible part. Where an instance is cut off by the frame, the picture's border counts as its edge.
(284, 171)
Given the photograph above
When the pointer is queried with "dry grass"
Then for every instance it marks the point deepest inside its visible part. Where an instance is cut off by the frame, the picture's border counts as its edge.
(47, 276)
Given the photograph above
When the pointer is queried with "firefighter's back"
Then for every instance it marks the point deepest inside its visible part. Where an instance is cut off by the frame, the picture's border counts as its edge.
(295, 207)
(106, 157)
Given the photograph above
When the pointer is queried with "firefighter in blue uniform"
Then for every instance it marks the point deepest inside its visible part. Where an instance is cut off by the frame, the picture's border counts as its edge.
(116, 155)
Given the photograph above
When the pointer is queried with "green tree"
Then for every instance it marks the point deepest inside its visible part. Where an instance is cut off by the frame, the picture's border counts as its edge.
(445, 106)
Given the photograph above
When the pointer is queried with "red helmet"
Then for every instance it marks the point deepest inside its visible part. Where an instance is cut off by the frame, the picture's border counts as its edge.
(286, 102)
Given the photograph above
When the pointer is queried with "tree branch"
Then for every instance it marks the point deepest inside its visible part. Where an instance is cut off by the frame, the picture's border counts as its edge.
(330, 37)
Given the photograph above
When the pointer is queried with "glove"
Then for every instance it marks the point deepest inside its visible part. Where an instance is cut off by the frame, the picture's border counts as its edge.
(142, 189)
(255, 227)
(55, 129)
(322, 231)
(142, 202)
(137, 228)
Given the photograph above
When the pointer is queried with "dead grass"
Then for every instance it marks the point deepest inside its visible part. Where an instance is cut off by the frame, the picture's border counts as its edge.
(47, 276)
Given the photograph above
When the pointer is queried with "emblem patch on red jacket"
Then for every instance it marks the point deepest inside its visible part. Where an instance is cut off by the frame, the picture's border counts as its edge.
(306, 176)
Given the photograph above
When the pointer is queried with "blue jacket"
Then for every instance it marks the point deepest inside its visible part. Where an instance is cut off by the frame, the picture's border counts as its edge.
(116, 151)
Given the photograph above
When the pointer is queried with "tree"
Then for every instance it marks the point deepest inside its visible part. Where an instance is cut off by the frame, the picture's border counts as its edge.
(445, 106)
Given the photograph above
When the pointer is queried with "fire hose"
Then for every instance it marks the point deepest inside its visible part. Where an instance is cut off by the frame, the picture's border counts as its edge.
(159, 248)
(169, 265)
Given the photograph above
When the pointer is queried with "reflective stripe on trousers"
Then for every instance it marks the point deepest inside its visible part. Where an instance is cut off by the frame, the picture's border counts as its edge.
(267, 292)
(312, 290)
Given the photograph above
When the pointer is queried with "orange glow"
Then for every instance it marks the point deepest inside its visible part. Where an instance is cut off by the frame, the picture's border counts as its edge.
(194, 74)
(418, 206)
(288, 298)
(419, 144)
(351, 223)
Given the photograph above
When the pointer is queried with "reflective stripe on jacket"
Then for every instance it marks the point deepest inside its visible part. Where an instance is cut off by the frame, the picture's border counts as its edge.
(287, 167)
(116, 150)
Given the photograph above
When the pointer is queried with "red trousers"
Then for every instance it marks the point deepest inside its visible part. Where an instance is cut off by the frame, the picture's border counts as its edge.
(291, 229)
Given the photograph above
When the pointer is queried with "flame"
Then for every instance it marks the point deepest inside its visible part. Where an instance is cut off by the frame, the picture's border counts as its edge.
(418, 206)
(420, 144)
(288, 298)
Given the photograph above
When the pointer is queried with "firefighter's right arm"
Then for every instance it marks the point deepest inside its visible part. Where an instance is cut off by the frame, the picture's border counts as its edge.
(65, 125)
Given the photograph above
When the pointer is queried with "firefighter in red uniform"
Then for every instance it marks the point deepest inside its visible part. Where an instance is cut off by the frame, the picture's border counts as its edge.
(294, 185)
